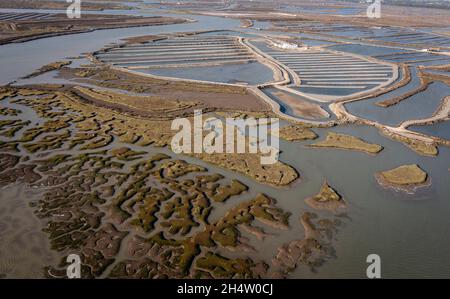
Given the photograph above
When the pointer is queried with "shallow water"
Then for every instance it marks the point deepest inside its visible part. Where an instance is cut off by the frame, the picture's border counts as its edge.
(440, 129)
(418, 106)
(18, 60)
(252, 73)
(323, 10)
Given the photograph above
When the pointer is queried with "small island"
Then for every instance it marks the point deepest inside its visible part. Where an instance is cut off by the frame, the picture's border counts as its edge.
(342, 141)
(326, 199)
(406, 178)
(296, 133)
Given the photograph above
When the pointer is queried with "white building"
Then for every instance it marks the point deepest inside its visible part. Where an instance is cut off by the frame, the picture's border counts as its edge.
(285, 45)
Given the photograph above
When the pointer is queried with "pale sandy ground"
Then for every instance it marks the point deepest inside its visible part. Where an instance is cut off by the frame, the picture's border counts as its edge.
(300, 107)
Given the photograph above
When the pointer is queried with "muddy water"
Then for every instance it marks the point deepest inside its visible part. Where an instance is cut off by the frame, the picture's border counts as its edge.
(24, 248)
(410, 233)
(366, 50)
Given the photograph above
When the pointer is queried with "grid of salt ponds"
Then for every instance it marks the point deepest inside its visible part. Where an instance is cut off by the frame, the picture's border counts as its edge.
(179, 52)
(333, 70)
(395, 55)
(418, 106)
(439, 129)
(6, 16)
(287, 109)
(386, 34)
(316, 26)
(413, 57)
(411, 37)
